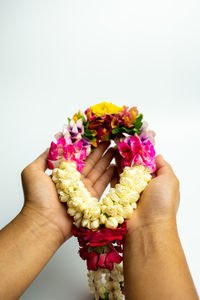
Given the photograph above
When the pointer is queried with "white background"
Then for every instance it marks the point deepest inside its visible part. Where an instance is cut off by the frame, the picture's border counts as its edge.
(59, 56)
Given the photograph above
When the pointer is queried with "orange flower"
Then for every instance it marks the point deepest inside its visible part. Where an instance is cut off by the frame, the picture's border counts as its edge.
(114, 122)
(130, 117)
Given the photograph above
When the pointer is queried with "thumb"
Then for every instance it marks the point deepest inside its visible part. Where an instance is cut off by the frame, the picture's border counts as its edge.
(41, 161)
(162, 166)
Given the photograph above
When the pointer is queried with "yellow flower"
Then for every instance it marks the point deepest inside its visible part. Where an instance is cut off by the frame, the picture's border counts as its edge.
(105, 108)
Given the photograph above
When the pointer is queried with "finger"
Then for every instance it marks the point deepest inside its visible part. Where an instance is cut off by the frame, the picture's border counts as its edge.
(118, 161)
(101, 166)
(104, 180)
(115, 179)
(93, 158)
(162, 167)
(153, 175)
(41, 161)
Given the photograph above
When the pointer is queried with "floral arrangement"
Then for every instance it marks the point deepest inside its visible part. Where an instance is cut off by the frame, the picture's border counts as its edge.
(101, 226)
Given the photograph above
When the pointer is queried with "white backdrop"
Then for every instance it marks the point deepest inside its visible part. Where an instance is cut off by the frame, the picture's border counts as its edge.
(59, 56)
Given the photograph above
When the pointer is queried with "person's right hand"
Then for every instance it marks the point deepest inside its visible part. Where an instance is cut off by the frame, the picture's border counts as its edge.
(160, 199)
(41, 197)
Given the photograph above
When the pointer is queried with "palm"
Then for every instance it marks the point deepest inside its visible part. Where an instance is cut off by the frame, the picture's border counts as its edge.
(40, 191)
(97, 172)
(89, 185)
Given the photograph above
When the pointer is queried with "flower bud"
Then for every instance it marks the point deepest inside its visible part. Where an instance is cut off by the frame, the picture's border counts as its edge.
(71, 211)
(77, 216)
(127, 211)
(111, 222)
(107, 201)
(119, 219)
(85, 222)
(95, 224)
(103, 219)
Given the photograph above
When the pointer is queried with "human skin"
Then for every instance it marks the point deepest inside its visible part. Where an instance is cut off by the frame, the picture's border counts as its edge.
(152, 244)
(43, 225)
(154, 262)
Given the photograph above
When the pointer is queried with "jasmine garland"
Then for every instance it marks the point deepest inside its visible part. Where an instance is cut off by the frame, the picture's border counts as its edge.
(101, 226)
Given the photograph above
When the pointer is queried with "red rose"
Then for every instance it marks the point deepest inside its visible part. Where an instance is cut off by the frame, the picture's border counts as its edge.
(100, 237)
(83, 253)
(92, 261)
(105, 239)
(103, 260)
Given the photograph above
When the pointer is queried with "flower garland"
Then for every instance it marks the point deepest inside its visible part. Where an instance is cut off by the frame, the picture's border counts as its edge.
(101, 226)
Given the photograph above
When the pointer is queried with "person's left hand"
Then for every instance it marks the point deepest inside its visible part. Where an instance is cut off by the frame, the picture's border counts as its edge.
(41, 198)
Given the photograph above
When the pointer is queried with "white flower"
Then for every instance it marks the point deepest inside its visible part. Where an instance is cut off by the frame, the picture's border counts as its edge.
(119, 219)
(127, 211)
(77, 216)
(109, 210)
(111, 222)
(95, 224)
(111, 285)
(71, 211)
(124, 201)
(115, 207)
(85, 223)
(103, 219)
(107, 201)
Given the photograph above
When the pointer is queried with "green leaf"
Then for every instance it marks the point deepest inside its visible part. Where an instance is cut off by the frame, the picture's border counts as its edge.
(81, 117)
(88, 134)
(85, 124)
(116, 130)
(130, 130)
(106, 295)
(89, 137)
(138, 121)
(137, 130)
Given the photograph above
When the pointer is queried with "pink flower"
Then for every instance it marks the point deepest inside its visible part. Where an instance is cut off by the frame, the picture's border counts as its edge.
(73, 133)
(56, 153)
(71, 152)
(135, 152)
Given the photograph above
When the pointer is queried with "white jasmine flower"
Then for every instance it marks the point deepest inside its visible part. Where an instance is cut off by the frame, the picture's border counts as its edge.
(111, 222)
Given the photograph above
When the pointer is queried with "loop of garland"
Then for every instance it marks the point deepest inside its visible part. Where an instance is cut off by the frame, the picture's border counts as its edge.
(101, 226)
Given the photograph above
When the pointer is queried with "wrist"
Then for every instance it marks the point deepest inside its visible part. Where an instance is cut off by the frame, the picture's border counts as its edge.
(40, 225)
(162, 227)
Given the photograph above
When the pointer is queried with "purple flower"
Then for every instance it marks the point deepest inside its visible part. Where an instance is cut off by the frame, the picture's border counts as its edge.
(147, 134)
(73, 133)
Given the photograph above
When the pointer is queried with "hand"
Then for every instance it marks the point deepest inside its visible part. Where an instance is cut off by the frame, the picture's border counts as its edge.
(160, 199)
(41, 198)
(97, 172)
(152, 249)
